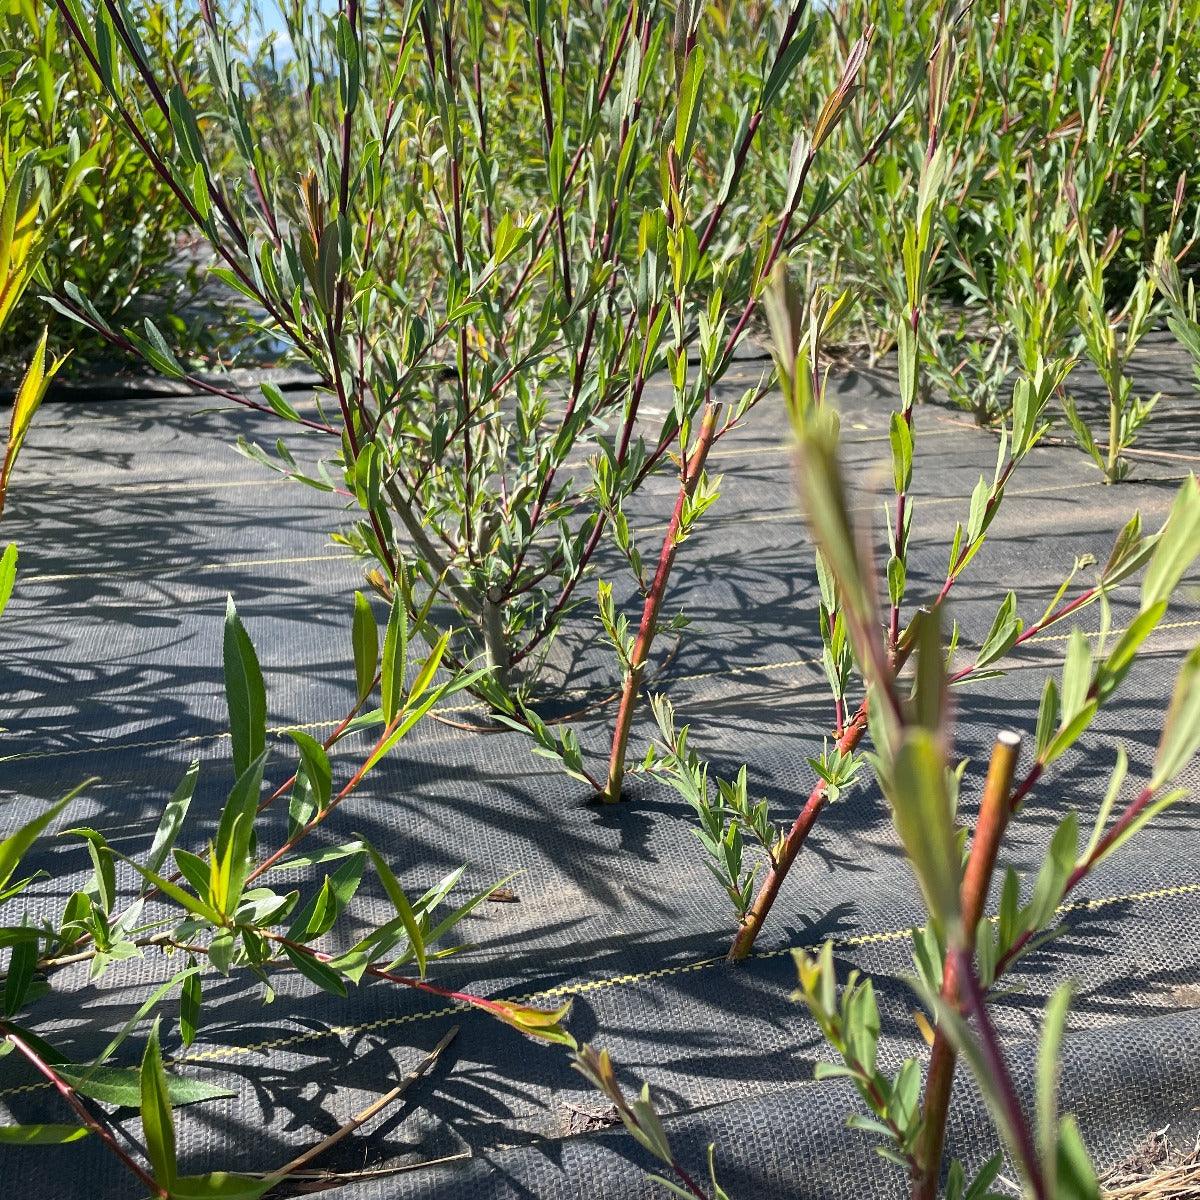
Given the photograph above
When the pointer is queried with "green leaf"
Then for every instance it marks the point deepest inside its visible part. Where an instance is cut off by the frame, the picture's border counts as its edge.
(922, 813)
(196, 871)
(825, 501)
(1177, 546)
(121, 1086)
(400, 902)
(221, 950)
(542, 1023)
(1181, 730)
(244, 692)
(157, 1123)
(1006, 628)
(20, 975)
(688, 110)
(1076, 1179)
(1055, 870)
(1076, 675)
(365, 636)
(236, 827)
(1110, 798)
(1143, 817)
(192, 903)
(326, 904)
(275, 398)
(395, 658)
(102, 863)
(315, 771)
(218, 1185)
(1049, 1066)
(1047, 719)
(172, 819)
(315, 970)
(189, 1008)
(1070, 733)
(41, 1135)
(428, 669)
(900, 435)
(1119, 661)
(8, 573)
(13, 848)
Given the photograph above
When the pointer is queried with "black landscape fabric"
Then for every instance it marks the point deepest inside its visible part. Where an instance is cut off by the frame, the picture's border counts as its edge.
(135, 519)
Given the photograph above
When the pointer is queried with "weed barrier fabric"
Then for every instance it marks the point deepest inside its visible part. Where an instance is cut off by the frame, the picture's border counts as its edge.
(134, 521)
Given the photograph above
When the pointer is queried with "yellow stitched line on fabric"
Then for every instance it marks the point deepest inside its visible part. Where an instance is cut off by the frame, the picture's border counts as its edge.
(220, 1053)
(732, 672)
(626, 980)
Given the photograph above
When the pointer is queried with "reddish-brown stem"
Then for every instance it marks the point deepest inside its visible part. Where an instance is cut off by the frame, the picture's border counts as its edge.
(201, 385)
(790, 847)
(689, 478)
(785, 855)
(77, 1106)
(320, 816)
(420, 985)
(975, 1005)
(994, 812)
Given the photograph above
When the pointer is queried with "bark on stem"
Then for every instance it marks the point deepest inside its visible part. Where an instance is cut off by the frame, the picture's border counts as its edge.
(790, 847)
(689, 478)
(994, 812)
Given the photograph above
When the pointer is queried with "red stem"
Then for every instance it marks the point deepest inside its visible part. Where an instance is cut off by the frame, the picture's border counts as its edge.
(77, 1106)
(994, 812)
(689, 478)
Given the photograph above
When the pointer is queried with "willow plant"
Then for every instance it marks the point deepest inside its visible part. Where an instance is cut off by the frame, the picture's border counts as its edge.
(1183, 308)
(31, 204)
(119, 237)
(235, 909)
(1110, 341)
(749, 852)
(508, 219)
(962, 954)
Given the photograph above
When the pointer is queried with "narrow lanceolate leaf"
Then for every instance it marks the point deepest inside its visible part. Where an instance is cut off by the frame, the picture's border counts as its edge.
(14, 847)
(428, 669)
(41, 1135)
(365, 635)
(1177, 547)
(400, 902)
(189, 1008)
(324, 906)
(8, 574)
(395, 659)
(1006, 628)
(21, 966)
(30, 394)
(922, 813)
(144, 1009)
(172, 819)
(314, 969)
(158, 1125)
(1181, 730)
(1049, 1066)
(314, 765)
(244, 693)
(236, 826)
(689, 107)
(121, 1086)
(218, 1185)
(193, 904)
